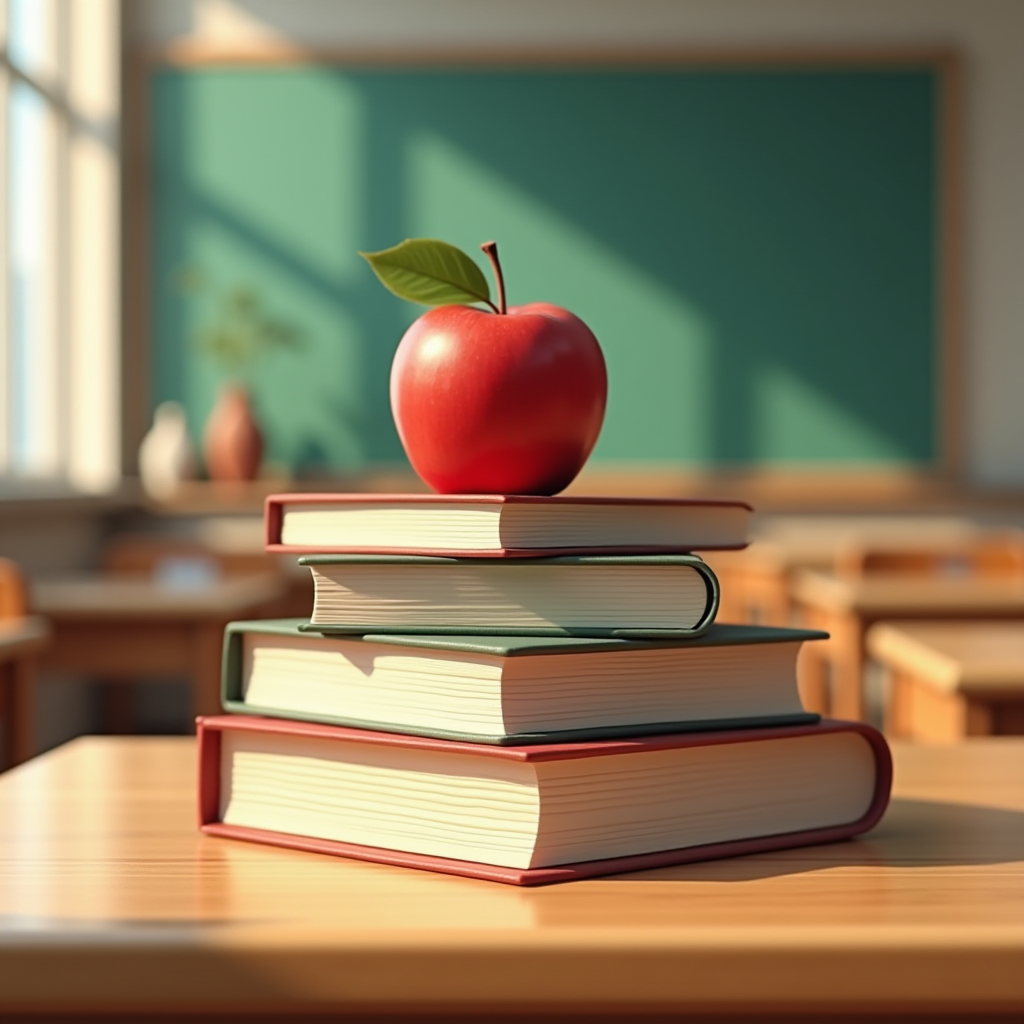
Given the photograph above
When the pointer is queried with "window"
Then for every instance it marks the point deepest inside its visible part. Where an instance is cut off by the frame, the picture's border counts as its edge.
(59, 242)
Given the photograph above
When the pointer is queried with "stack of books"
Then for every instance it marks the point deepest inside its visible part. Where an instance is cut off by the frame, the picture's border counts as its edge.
(526, 690)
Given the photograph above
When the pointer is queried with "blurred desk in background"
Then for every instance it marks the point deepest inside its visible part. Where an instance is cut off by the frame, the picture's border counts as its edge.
(832, 671)
(125, 630)
(240, 498)
(948, 680)
(756, 581)
(115, 904)
(210, 549)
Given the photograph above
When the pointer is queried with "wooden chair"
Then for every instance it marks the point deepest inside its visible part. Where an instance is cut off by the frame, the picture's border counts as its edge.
(22, 637)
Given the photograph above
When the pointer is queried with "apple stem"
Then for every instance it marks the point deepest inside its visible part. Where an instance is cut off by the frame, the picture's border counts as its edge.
(491, 248)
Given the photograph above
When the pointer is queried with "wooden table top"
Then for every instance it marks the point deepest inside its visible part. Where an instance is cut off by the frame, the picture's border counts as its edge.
(966, 656)
(110, 597)
(111, 898)
(878, 593)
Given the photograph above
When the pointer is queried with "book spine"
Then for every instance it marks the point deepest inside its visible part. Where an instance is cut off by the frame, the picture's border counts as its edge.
(231, 667)
(272, 517)
(208, 744)
(274, 546)
(714, 596)
(561, 750)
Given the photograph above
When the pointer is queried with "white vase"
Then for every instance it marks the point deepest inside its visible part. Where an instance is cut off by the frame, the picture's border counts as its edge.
(166, 455)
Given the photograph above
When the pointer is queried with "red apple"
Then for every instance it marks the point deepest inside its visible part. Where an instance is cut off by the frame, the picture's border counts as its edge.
(504, 402)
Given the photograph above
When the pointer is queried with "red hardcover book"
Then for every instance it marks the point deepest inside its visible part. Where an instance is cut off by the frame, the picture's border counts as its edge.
(499, 526)
(537, 814)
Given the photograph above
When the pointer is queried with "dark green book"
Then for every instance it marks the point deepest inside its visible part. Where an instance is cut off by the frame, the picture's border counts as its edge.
(516, 690)
(626, 597)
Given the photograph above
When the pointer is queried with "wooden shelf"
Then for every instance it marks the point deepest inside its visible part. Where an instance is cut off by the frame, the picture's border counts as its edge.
(826, 491)
(210, 497)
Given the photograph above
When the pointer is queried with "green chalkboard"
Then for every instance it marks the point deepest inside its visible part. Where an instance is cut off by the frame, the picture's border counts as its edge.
(755, 249)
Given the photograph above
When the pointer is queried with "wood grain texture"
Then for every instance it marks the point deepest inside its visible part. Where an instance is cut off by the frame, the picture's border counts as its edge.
(106, 885)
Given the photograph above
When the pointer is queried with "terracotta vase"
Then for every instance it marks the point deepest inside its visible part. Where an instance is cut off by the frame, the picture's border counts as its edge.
(232, 442)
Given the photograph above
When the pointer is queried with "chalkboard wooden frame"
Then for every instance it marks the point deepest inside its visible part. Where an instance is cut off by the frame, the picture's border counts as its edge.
(881, 485)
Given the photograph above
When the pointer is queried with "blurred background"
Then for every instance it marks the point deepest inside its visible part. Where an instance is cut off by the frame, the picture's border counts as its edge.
(796, 227)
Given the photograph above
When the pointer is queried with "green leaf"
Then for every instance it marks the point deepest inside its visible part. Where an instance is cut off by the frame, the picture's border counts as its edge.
(430, 272)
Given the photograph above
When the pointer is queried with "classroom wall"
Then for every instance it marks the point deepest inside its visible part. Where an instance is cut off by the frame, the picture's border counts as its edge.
(989, 34)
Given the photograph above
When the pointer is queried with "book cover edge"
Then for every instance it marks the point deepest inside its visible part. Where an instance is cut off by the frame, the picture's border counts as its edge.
(364, 557)
(496, 554)
(209, 783)
(367, 497)
(237, 706)
(535, 752)
(273, 518)
(746, 635)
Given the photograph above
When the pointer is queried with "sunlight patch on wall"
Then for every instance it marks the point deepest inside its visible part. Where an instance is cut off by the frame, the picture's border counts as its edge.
(247, 143)
(658, 402)
(790, 415)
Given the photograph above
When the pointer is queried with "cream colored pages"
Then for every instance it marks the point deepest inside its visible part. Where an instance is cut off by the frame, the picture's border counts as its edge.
(678, 684)
(622, 526)
(467, 692)
(420, 801)
(350, 679)
(504, 812)
(482, 526)
(680, 798)
(428, 526)
(509, 595)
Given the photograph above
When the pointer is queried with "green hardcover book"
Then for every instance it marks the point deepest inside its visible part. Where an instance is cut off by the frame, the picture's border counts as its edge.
(625, 597)
(515, 690)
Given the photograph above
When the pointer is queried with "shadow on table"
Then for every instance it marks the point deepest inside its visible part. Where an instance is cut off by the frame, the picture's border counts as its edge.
(913, 833)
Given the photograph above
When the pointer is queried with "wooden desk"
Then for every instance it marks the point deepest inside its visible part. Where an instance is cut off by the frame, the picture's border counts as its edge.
(113, 901)
(120, 629)
(21, 641)
(952, 679)
(831, 671)
(756, 581)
